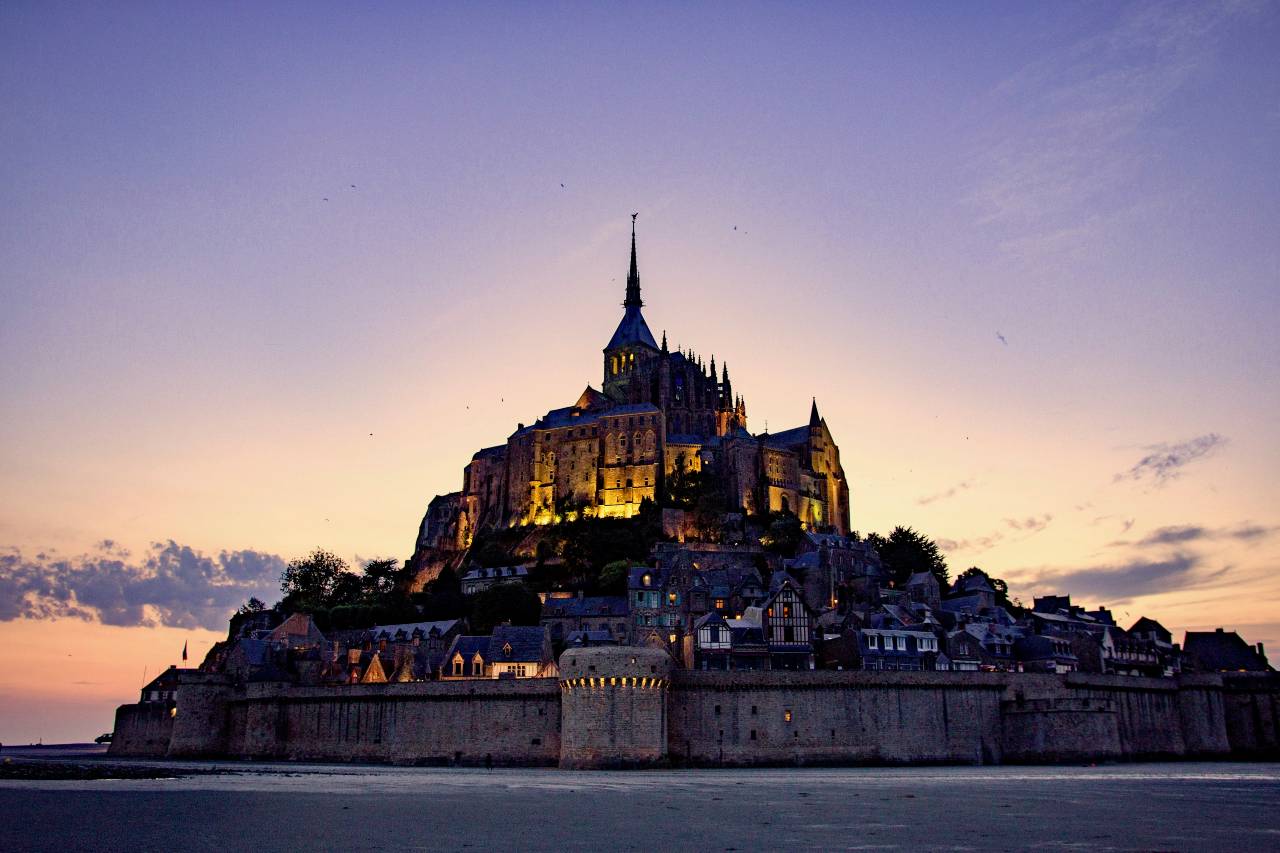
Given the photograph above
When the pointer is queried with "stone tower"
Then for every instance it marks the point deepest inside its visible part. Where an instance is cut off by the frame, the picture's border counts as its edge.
(613, 702)
(632, 352)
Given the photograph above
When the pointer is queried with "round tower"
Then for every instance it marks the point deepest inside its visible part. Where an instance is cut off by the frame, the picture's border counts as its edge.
(613, 702)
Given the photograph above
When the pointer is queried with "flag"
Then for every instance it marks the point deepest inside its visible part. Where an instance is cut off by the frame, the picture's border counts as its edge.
(184, 649)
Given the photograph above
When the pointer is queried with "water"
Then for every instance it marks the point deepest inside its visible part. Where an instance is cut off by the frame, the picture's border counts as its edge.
(282, 806)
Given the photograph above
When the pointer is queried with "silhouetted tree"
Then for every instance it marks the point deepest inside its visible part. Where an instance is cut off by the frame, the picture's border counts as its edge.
(380, 578)
(783, 534)
(613, 578)
(905, 552)
(310, 582)
(253, 605)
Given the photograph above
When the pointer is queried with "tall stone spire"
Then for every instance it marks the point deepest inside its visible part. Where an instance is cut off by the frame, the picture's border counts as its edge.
(633, 277)
(814, 418)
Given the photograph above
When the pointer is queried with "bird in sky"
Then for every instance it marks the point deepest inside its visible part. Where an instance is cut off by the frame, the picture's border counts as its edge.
(353, 186)
(326, 199)
(1002, 340)
(562, 186)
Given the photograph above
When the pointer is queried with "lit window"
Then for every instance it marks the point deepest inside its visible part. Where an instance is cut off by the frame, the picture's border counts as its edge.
(786, 715)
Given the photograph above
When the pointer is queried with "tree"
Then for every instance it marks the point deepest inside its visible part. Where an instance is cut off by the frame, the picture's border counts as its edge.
(905, 552)
(253, 605)
(683, 484)
(505, 602)
(309, 582)
(380, 577)
(613, 577)
(784, 534)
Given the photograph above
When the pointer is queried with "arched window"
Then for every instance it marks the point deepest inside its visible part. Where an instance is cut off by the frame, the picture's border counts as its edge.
(786, 507)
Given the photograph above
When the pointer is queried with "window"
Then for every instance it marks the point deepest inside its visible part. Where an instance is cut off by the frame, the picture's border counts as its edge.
(788, 634)
(786, 611)
(753, 734)
(754, 710)
(717, 710)
(871, 641)
(786, 715)
(457, 666)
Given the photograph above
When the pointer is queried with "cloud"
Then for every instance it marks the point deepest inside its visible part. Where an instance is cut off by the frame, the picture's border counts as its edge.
(1062, 140)
(949, 493)
(1187, 533)
(1030, 524)
(171, 585)
(1164, 462)
(1126, 580)
(976, 545)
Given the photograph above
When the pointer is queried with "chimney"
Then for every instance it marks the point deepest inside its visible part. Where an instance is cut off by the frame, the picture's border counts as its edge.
(1262, 654)
(1219, 631)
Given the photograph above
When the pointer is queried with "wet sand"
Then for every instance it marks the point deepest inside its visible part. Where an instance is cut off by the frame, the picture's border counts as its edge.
(241, 806)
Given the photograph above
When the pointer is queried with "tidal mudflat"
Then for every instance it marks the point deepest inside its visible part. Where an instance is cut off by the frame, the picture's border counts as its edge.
(241, 806)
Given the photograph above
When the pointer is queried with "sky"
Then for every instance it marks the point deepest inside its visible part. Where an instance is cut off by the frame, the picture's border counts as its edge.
(271, 273)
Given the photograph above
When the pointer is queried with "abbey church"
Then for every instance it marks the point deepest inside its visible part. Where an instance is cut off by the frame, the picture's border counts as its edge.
(613, 448)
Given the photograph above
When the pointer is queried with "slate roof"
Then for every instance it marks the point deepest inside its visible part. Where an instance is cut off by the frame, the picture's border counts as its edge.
(591, 638)
(1223, 651)
(467, 646)
(527, 643)
(496, 573)
(632, 330)
(599, 605)
(1146, 625)
(787, 438)
(254, 651)
(637, 573)
(392, 632)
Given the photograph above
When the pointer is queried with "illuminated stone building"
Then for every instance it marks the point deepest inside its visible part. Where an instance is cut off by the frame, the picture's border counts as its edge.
(612, 448)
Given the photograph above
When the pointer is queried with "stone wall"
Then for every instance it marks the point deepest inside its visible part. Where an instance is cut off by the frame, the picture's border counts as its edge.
(623, 706)
(738, 718)
(1251, 705)
(615, 706)
(503, 722)
(143, 730)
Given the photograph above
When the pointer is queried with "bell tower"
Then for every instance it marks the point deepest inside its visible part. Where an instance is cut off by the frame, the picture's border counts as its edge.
(632, 347)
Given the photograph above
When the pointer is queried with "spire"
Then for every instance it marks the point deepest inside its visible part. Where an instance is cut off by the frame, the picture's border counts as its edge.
(664, 340)
(633, 277)
(814, 418)
(713, 367)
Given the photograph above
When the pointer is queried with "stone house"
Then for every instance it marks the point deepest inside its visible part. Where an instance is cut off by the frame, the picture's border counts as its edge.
(564, 616)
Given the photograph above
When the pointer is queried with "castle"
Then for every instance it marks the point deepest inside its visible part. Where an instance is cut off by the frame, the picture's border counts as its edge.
(656, 412)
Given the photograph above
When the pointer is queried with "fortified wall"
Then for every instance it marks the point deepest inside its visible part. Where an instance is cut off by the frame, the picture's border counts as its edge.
(627, 707)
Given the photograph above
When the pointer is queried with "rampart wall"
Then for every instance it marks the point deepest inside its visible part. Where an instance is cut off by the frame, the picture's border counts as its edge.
(737, 718)
(623, 708)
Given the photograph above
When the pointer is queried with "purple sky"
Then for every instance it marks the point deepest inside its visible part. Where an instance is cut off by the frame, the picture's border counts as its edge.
(195, 344)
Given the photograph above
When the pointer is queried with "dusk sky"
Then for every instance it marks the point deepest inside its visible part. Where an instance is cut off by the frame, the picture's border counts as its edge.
(271, 273)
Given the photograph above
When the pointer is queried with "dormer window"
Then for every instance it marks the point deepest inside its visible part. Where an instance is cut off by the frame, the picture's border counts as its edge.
(646, 580)
(457, 665)
(506, 649)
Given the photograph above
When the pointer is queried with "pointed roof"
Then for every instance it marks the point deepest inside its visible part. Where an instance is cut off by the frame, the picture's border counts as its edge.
(633, 329)
(633, 276)
(814, 418)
